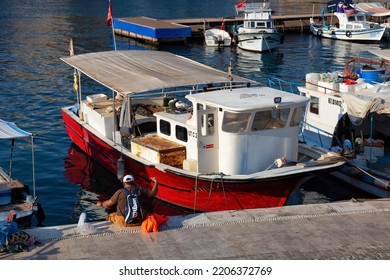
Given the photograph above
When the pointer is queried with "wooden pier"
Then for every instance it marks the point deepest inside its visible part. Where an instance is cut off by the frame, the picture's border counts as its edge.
(179, 30)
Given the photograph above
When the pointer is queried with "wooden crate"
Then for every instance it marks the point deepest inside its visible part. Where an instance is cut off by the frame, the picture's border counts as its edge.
(159, 150)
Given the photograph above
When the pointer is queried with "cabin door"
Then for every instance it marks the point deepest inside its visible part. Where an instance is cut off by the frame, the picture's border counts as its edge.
(208, 160)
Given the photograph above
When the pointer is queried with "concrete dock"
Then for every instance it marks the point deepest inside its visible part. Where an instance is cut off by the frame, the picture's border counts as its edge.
(350, 230)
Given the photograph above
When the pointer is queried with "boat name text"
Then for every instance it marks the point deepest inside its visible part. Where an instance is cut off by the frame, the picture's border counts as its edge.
(335, 102)
(247, 95)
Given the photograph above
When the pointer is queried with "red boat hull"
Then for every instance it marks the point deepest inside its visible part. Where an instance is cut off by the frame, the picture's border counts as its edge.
(199, 194)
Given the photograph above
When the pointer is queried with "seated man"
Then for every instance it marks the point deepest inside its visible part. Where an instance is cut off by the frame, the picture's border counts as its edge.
(119, 198)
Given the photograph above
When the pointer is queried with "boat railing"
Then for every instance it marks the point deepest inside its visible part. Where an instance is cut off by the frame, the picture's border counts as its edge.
(318, 131)
(288, 86)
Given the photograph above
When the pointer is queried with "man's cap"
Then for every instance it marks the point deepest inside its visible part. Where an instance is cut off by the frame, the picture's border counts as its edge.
(128, 179)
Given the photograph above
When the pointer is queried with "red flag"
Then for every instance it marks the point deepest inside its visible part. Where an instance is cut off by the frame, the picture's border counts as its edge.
(242, 4)
(109, 15)
(222, 27)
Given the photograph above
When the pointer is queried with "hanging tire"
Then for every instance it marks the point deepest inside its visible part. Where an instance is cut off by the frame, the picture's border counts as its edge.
(348, 34)
(319, 32)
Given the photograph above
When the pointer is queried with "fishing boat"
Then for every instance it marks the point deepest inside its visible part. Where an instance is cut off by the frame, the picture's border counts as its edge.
(17, 202)
(258, 32)
(348, 24)
(217, 37)
(215, 141)
(348, 112)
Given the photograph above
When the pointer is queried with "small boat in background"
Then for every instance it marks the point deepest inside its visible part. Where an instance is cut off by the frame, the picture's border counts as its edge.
(258, 32)
(349, 25)
(17, 203)
(217, 37)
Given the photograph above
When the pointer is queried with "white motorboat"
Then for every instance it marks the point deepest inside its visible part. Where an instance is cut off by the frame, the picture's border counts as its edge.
(348, 24)
(216, 37)
(258, 32)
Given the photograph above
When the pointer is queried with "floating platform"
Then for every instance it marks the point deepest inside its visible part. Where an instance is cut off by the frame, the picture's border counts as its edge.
(179, 30)
(151, 30)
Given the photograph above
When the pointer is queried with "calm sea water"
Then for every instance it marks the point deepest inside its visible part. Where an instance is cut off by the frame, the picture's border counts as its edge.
(35, 84)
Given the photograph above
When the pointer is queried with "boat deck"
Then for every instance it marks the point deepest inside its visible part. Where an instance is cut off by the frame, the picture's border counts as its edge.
(349, 230)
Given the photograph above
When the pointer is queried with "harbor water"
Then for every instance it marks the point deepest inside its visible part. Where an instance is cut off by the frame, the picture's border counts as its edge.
(35, 84)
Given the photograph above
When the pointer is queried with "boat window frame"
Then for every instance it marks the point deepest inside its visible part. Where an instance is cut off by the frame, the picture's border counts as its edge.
(181, 133)
(165, 127)
(270, 119)
(235, 122)
(312, 105)
(296, 116)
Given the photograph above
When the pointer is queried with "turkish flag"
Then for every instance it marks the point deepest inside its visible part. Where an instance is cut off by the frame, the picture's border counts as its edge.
(222, 27)
(242, 4)
(109, 15)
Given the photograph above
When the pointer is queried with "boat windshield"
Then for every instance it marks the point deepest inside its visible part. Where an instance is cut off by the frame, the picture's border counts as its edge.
(235, 122)
(270, 119)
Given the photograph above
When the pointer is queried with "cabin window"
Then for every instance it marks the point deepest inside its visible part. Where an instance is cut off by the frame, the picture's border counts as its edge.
(261, 24)
(351, 19)
(252, 24)
(296, 116)
(361, 18)
(165, 127)
(235, 122)
(314, 105)
(207, 124)
(269, 24)
(270, 119)
(181, 133)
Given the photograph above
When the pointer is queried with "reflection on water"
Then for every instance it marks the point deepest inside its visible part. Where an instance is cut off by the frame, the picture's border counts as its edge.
(97, 184)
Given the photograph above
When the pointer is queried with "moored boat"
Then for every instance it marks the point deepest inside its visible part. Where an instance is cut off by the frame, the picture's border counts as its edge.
(258, 32)
(214, 141)
(348, 112)
(17, 202)
(348, 24)
(217, 37)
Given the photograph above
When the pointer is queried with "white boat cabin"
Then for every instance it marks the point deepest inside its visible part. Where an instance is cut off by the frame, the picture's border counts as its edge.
(256, 16)
(353, 21)
(236, 132)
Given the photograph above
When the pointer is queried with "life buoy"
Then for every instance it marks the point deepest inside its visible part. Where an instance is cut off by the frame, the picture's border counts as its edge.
(319, 32)
(348, 34)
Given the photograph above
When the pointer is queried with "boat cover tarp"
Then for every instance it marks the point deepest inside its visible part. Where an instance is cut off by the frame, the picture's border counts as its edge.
(132, 71)
(359, 105)
(9, 130)
(372, 9)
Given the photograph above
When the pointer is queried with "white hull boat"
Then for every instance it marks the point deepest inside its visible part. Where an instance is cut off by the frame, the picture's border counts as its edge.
(351, 116)
(351, 26)
(216, 37)
(257, 33)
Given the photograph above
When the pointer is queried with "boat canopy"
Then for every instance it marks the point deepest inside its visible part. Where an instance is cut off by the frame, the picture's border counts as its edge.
(9, 130)
(359, 105)
(373, 9)
(133, 71)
